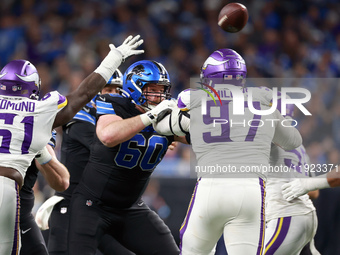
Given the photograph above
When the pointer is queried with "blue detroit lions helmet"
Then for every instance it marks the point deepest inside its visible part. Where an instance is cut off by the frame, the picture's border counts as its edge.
(144, 72)
(116, 79)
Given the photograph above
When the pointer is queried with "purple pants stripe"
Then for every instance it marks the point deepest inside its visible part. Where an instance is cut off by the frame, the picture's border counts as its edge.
(186, 219)
(279, 235)
(263, 220)
(15, 249)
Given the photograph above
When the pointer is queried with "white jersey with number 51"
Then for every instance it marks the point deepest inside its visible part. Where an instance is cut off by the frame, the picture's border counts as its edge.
(25, 128)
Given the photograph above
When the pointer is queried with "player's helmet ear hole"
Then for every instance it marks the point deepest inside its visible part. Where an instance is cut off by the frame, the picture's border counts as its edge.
(131, 90)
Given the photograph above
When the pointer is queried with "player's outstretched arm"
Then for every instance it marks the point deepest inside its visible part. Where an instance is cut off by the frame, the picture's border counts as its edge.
(55, 173)
(92, 84)
(300, 187)
(112, 130)
(333, 178)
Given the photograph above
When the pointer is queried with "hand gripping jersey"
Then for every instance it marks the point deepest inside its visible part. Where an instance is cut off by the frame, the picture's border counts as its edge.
(294, 163)
(117, 176)
(25, 128)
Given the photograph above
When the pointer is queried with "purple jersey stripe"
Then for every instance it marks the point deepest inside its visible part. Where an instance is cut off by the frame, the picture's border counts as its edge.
(15, 249)
(278, 236)
(186, 220)
(263, 220)
(276, 231)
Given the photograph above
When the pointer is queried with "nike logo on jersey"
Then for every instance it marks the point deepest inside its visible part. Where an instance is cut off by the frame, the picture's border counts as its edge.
(25, 231)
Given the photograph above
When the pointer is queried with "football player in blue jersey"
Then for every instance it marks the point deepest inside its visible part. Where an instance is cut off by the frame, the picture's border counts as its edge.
(124, 153)
(75, 151)
(26, 124)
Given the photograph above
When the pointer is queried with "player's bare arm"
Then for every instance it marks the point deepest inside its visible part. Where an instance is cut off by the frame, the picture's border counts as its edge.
(112, 129)
(55, 173)
(77, 99)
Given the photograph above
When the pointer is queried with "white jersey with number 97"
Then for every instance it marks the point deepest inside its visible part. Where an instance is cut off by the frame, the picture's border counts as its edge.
(236, 144)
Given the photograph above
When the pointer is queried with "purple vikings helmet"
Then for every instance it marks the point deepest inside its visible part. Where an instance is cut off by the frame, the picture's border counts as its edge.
(224, 66)
(20, 78)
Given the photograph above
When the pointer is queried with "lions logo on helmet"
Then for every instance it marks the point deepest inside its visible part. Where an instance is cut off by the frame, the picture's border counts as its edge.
(142, 73)
(20, 78)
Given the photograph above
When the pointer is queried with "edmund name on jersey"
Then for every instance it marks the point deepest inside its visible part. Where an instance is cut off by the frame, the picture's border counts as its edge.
(26, 106)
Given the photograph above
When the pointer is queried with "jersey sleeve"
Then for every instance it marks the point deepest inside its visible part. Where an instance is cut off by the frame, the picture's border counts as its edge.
(55, 97)
(262, 94)
(110, 104)
(53, 139)
(87, 113)
(288, 138)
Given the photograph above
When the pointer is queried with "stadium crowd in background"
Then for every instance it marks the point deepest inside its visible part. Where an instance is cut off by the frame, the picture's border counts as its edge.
(282, 39)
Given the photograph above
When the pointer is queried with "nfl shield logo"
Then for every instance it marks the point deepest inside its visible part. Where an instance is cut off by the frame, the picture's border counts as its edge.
(63, 210)
(14, 88)
(89, 202)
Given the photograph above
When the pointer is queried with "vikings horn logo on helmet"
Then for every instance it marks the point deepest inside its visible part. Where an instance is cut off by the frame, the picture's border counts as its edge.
(33, 77)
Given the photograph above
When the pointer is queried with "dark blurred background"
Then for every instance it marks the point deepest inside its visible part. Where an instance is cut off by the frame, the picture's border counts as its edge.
(66, 40)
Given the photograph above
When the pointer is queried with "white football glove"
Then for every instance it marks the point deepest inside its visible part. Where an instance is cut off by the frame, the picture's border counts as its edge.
(45, 210)
(299, 187)
(128, 47)
(116, 55)
(157, 113)
(175, 123)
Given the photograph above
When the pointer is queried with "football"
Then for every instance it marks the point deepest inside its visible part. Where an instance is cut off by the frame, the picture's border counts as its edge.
(233, 17)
